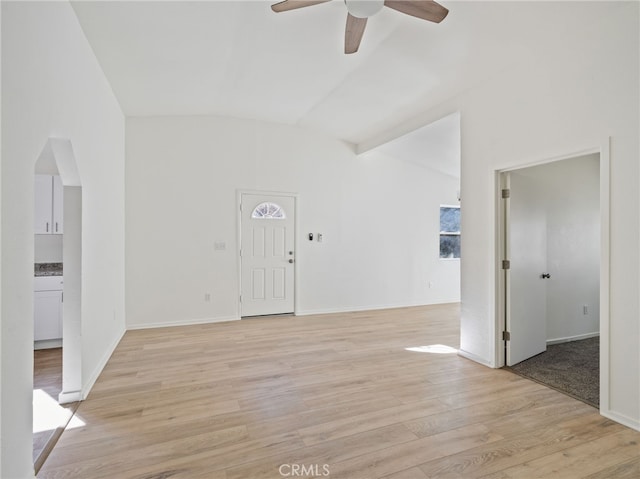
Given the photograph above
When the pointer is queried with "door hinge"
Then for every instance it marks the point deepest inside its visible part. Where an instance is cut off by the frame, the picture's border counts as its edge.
(241, 298)
(240, 206)
(506, 264)
(506, 336)
(506, 193)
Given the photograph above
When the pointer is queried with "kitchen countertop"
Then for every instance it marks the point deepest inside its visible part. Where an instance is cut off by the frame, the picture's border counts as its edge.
(48, 269)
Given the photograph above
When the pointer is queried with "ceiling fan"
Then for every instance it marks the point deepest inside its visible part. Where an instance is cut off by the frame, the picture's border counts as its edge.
(360, 10)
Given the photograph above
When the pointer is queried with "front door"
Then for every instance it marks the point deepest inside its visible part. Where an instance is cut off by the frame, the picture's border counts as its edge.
(267, 254)
(526, 288)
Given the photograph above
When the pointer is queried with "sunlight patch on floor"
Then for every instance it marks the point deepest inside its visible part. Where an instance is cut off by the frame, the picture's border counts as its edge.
(434, 349)
(49, 415)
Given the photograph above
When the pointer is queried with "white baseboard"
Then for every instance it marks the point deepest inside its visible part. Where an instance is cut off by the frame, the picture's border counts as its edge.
(568, 339)
(71, 396)
(355, 309)
(622, 419)
(86, 388)
(476, 358)
(47, 344)
(182, 322)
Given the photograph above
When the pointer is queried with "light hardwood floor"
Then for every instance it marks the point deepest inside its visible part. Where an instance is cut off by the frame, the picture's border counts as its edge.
(259, 397)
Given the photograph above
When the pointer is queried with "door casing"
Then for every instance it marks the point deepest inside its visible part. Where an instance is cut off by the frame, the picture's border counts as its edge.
(603, 149)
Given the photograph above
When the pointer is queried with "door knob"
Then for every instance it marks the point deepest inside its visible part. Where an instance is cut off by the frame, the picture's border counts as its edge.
(291, 261)
(546, 276)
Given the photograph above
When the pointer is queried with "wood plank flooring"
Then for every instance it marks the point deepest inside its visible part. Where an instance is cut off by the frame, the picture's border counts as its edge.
(290, 396)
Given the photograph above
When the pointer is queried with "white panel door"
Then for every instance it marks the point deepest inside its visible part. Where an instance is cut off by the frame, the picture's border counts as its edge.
(267, 254)
(526, 289)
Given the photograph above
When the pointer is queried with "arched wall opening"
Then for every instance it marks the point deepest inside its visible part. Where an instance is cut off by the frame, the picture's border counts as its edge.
(57, 158)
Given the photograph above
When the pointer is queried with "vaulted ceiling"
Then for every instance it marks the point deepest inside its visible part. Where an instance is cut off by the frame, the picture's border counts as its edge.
(240, 59)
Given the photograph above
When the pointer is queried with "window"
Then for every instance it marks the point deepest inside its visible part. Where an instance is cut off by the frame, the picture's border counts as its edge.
(449, 232)
(268, 211)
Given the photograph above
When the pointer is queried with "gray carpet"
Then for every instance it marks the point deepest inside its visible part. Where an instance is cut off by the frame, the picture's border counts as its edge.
(572, 368)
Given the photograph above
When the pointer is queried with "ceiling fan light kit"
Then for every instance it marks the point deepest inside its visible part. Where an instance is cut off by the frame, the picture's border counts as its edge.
(360, 10)
(363, 8)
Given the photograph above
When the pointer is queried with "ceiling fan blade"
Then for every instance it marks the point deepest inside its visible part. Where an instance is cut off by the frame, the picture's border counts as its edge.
(287, 5)
(425, 9)
(353, 35)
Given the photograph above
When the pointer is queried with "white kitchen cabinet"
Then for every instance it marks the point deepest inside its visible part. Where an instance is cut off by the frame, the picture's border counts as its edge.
(58, 206)
(48, 217)
(43, 204)
(47, 310)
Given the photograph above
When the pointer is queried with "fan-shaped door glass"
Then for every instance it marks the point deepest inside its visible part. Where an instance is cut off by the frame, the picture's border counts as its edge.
(268, 211)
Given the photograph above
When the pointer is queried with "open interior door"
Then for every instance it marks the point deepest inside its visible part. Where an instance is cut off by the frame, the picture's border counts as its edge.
(526, 250)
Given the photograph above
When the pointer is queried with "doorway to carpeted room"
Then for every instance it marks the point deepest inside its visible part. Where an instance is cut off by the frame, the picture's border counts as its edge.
(572, 368)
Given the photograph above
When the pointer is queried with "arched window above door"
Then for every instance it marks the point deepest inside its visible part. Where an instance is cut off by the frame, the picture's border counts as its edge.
(268, 211)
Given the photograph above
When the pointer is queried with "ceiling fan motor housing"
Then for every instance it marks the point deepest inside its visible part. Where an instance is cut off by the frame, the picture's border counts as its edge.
(364, 8)
(361, 10)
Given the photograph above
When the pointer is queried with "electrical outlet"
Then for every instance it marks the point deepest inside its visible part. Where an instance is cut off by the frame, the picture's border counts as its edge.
(207, 297)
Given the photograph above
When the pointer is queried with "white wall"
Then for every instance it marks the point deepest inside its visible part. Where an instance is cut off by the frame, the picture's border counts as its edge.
(564, 100)
(568, 194)
(577, 88)
(1, 265)
(52, 86)
(573, 248)
(379, 217)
